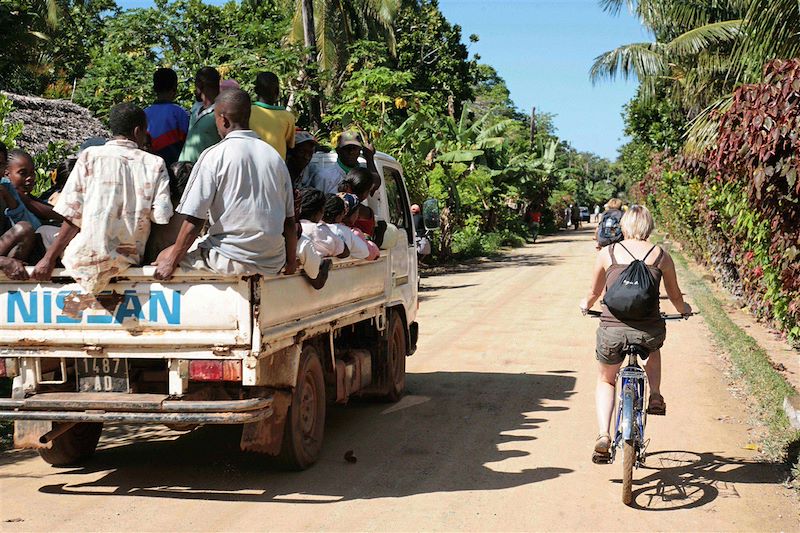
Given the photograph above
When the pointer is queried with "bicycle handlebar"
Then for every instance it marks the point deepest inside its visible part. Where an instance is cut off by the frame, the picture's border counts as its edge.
(596, 314)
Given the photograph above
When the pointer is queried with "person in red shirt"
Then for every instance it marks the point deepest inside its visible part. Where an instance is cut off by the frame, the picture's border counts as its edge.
(533, 218)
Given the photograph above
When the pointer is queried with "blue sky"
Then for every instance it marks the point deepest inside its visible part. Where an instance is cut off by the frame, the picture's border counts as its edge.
(544, 49)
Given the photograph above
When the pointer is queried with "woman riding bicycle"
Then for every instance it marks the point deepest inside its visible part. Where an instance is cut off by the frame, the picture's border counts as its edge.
(613, 334)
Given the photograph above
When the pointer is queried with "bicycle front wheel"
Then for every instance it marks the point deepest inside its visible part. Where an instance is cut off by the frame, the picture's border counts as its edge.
(629, 457)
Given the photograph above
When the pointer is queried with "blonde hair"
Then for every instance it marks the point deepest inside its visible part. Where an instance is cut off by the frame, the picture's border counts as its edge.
(637, 223)
(614, 203)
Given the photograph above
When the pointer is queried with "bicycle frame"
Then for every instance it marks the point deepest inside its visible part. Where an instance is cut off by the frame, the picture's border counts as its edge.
(631, 419)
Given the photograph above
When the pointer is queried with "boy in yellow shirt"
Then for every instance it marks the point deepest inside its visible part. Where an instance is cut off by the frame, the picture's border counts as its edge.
(271, 122)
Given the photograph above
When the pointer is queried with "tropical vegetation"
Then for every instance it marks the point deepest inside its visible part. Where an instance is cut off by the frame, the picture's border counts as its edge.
(397, 70)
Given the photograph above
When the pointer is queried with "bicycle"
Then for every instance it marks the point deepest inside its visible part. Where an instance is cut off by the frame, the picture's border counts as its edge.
(631, 412)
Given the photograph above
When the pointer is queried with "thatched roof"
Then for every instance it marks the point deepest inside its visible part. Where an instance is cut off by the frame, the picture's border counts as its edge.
(52, 120)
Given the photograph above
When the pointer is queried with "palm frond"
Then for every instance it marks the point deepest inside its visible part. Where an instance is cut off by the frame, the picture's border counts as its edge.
(615, 6)
(704, 129)
(772, 30)
(700, 39)
(642, 60)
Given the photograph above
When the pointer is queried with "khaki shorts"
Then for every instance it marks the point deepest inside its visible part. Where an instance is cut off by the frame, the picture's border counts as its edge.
(612, 341)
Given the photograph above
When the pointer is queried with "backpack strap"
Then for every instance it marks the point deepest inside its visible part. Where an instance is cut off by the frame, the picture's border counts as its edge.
(657, 262)
(611, 253)
(629, 252)
(644, 259)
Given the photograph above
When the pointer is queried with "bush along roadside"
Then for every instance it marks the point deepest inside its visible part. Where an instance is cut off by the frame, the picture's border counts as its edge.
(736, 208)
(751, 364)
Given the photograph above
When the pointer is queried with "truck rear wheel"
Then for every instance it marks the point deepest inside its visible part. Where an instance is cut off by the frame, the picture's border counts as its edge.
(74, 446)
(396, 351)
(305, 420)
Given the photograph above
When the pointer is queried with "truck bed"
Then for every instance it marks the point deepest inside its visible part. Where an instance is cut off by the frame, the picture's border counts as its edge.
(195, 311)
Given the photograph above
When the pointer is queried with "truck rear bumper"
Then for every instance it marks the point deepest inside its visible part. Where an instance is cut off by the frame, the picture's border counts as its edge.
(133, 409)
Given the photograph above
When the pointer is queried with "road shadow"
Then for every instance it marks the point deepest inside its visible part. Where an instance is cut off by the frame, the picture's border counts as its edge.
(428, 292)
(486, 264)
(676, 480)
(453, 431)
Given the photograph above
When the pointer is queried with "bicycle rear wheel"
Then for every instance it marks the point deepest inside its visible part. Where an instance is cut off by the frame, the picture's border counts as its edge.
(629, 457)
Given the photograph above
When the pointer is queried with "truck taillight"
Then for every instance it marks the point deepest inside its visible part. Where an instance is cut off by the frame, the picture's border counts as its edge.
(209, 370)
(9, 367)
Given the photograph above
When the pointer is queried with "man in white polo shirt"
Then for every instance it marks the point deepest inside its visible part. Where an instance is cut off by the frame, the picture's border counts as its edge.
(242, 187)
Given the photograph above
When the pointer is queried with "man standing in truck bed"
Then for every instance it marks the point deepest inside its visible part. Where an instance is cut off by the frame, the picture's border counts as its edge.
(242, 187)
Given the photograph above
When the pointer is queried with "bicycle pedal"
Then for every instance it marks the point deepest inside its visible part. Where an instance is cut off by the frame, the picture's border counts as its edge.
(601, 458)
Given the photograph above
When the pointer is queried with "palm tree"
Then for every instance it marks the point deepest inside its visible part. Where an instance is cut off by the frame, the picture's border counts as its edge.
(692, 53)
(703, 49)
(339, 24)
(327, 27)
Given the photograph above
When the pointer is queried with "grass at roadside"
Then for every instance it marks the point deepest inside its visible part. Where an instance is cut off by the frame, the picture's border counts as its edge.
(751, 364)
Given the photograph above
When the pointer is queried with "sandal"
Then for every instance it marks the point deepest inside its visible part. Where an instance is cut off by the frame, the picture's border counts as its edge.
(601, 454)
(656, 405)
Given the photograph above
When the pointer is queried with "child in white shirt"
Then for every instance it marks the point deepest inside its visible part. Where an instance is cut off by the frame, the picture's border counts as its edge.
(326, 242)
(335, 211)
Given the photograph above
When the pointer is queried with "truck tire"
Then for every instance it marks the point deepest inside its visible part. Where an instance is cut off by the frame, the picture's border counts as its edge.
(74, 446)
(305, 420)
(396, 351)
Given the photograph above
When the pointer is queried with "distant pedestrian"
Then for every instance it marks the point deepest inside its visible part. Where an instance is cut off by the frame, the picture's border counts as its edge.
(533, 219)
(596, 213)
(575, 213)
(609, 228)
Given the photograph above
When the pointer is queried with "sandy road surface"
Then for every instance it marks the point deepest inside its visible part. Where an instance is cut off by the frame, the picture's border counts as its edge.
(494, 434)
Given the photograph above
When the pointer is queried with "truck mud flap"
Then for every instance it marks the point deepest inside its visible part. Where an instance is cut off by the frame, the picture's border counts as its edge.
(266, 436)
(133, 409)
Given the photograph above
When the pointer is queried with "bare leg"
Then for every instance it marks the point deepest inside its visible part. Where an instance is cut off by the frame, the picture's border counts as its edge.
(653, 370)
(18, 241)
(604, 395)
(15, 246)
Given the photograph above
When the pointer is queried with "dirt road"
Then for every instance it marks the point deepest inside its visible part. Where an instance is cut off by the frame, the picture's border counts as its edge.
(495, 433)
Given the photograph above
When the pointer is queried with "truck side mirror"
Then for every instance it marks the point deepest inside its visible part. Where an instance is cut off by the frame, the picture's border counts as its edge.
(430, 214)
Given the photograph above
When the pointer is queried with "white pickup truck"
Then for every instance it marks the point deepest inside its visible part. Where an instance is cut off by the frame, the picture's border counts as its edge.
(264, 352)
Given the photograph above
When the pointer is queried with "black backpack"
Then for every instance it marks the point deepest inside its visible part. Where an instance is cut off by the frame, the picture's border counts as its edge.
(634, 295)
(608, 231)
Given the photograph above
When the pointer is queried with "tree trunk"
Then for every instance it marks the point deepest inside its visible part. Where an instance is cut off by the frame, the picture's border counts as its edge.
(446, 235)
(310, 37)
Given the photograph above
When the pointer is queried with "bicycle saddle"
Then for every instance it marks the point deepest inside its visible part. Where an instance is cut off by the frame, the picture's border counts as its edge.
(640, 351)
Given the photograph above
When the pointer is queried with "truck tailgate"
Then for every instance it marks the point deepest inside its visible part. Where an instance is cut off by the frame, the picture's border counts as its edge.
(192, 309)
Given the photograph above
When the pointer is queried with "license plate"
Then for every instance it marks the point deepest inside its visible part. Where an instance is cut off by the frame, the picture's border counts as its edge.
(102, 375)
